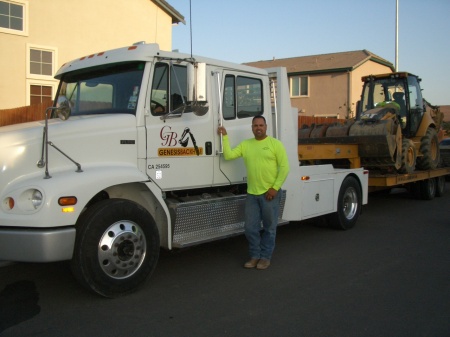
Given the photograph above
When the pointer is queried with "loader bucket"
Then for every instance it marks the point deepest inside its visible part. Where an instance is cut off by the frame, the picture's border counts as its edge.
(379, 143)
(377, 134)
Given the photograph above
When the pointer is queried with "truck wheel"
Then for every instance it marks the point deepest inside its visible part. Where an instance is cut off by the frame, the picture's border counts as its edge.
(427, 189)
(116, 249)
(429, 147)
(348, 205)
(440, 186)
(408, 156)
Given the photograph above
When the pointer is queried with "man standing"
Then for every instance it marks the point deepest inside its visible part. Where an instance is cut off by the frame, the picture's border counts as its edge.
(267, 168)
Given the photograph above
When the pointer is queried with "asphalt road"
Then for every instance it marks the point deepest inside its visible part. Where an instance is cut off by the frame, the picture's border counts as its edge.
(389, 276)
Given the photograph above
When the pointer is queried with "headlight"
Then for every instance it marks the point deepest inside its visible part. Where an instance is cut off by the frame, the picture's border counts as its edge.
(36, 199)
(30, 200)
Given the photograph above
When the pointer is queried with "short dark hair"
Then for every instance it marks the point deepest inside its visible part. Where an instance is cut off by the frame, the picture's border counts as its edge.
(259, 116)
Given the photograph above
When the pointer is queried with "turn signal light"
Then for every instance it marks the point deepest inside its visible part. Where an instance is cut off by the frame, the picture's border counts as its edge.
(9, 203)
(67, 201)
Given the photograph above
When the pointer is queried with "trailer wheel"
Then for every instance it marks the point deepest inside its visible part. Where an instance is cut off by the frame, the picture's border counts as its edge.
(440, 186)
(427, 189)
(348, 205)
(408, 156)
(117, 247)
(429, 147)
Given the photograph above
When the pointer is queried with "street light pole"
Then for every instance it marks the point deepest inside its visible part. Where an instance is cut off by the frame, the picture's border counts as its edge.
(396, 36)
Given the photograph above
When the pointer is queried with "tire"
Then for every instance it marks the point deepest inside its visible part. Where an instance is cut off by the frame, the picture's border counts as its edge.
(408, 156)
(429, 147)
(427, 189)
(440, 186)
(348, 205)
(116, 249)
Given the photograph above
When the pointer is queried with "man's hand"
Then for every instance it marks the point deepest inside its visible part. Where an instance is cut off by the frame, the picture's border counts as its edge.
(270, 194)
(222, 131)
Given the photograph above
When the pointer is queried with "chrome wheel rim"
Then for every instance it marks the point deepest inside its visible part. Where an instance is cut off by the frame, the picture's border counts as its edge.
(121, 250)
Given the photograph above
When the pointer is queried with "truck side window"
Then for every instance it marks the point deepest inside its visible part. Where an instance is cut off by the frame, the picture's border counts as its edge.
(169, 88)
(229, 98)
(178, 87)
(242, 96)
(158, 101)
(249, 97)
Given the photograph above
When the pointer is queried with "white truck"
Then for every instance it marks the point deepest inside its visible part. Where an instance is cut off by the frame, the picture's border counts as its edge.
(133, 164)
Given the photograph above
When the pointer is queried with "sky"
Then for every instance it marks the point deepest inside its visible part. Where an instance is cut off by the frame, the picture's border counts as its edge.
(252, 30)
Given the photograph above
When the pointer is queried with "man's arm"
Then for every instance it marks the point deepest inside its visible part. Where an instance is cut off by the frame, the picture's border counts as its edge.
(228, 153)
(283, 166)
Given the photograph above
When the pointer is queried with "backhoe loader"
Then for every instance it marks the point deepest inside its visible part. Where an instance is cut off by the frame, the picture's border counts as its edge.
(396, 130)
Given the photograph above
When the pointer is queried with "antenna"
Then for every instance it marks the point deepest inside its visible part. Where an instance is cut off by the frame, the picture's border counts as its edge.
(190, 22)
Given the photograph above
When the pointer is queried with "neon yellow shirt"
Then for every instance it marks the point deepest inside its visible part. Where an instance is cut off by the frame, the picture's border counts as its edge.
(266, 162)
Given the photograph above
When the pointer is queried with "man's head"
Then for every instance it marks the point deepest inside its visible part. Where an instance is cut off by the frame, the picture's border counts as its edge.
(259, 127)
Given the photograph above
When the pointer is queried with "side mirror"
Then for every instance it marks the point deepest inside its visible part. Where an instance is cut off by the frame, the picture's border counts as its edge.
(63, 110)
(196, 77)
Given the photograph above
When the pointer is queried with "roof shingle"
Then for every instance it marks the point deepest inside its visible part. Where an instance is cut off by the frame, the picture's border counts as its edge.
(325, 62)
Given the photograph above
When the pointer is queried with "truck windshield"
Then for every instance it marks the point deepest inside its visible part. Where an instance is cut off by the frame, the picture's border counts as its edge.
(106, 89)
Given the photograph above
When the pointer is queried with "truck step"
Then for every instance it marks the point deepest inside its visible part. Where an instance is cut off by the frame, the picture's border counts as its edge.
(210, 218)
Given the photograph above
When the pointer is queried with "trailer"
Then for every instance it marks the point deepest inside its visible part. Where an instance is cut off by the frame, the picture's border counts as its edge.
(425, 184)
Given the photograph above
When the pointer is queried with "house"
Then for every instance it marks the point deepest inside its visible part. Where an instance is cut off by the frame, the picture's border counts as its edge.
(445, 109)
(328, 85)
(37, 37)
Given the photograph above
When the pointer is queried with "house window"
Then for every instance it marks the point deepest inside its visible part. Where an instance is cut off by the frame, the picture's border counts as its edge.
(41, 62)
(13, 17)
(40, 93)
(299, 86)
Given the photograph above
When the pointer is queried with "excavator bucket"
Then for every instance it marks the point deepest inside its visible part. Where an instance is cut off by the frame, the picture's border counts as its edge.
(378, 142)
(378, 136)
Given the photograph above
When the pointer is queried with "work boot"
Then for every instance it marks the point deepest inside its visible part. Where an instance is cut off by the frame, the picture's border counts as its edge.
(263, 264)
(251, 263)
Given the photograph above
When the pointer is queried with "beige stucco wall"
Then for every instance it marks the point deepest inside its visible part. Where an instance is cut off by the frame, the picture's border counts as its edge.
(73, 29)
(327, 92)
(330, 92)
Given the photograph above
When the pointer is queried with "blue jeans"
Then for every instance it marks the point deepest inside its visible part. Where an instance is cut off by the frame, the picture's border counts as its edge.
(261, 220)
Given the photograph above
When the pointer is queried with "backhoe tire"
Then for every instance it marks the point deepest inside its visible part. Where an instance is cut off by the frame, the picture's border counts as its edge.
(116, 249)
(429, 147)
(409, 156)
(349, 205)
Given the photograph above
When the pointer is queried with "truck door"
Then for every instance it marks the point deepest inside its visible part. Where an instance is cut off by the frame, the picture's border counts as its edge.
(242, 99)
(179, 142)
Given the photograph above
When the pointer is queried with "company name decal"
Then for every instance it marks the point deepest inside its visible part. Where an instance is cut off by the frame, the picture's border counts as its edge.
(177, 146)
(179, 151)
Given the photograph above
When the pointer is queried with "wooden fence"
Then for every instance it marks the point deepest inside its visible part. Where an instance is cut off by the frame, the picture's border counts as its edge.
(29, 113)
(308, 120)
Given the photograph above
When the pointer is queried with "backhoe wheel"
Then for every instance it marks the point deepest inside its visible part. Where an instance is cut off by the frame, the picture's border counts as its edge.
(116, 249)
(348, 205)
(440, 186)
(408, 156)
(427, 189)
(429, 147)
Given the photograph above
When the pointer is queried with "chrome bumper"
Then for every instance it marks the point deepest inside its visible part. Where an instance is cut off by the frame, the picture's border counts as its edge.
(37, 245)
